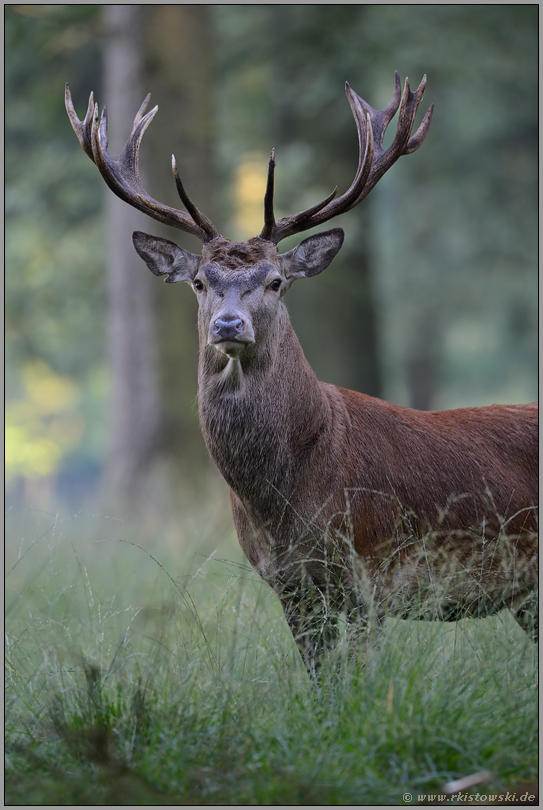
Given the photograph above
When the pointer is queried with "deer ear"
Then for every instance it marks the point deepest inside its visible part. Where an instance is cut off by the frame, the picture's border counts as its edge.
(313, 255)
(165, 258)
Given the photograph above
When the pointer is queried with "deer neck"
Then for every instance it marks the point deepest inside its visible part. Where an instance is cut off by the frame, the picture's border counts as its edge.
(259, 412)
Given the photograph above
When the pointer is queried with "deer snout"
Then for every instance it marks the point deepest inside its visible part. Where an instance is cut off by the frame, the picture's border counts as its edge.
(229, 327)
(230, 333)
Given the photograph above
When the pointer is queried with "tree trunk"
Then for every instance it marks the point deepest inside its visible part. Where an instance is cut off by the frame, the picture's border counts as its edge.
(422, 364)
(178, 71)
(134, 399)
(154, 431)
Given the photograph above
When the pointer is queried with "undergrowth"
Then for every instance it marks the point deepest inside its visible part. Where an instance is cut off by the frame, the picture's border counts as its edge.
(139, 673)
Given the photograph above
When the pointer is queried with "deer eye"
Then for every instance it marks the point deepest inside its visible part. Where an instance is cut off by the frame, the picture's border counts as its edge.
(198, 285)
(275, 284)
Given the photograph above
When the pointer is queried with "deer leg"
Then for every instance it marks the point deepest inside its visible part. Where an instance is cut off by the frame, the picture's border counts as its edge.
(313, 622)
(364, 627)
(313, 617)
(527, 615)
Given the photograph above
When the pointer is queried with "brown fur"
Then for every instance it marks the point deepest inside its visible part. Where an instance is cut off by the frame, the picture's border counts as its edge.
(232, 255)
(334, 491)
(343, 502)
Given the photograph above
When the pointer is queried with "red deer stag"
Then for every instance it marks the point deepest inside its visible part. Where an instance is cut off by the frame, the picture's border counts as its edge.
(343, 503)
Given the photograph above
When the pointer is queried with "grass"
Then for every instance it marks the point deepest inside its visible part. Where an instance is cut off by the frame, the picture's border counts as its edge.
(148, 668)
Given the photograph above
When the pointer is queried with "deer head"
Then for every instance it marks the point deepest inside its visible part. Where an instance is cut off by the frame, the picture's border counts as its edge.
(239, 286)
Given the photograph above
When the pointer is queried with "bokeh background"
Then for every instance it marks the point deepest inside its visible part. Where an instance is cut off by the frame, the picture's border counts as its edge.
(432, 303)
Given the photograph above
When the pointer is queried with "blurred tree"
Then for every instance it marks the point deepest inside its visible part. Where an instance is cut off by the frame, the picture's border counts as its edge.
(154, 435)
(54, 202)
(177, 51)
(134, 410)
(456, 229)
(54, 253)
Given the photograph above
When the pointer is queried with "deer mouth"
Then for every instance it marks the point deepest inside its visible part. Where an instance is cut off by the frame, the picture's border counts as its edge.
(231, 347)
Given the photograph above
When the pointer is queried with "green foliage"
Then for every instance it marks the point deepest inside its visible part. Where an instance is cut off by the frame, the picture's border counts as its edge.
(147, 681)
(53, 199)
(54, 228)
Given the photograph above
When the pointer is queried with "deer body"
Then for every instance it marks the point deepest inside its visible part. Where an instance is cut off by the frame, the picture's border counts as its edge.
(332, 489)
(342, 502)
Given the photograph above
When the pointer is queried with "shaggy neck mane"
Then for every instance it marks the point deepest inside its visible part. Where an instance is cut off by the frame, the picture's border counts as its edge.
(278, 404)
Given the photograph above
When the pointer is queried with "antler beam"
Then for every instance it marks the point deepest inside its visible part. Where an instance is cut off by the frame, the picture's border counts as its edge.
(122, 174)
(373, 160)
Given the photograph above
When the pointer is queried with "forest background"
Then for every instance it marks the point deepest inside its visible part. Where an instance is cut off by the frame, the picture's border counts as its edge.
(432, 302)
(146, 662)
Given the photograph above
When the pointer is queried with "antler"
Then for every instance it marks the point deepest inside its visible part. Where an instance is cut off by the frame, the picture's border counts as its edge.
(122, 174)
(373, 160)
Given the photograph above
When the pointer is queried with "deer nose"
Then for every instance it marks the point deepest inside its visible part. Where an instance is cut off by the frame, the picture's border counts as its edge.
(228, 327)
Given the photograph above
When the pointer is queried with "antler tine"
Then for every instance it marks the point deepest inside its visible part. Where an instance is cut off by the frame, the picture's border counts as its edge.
(380, 119)
(269, 231)
(83, 129)
(406, 117)
(200, 219)
(401, 144)
(330, 207)
(419, 136)
(269, 216)
(141, 112)
(122, 174)
(373, 160)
